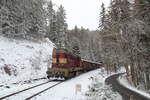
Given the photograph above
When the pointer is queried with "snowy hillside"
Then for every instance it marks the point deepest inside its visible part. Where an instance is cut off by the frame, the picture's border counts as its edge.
(23, 60)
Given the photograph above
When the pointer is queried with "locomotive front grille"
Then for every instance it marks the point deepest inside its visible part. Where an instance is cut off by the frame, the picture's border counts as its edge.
(56, 72)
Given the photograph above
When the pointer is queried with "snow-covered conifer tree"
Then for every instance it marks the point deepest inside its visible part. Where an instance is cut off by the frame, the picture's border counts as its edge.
(23, 18)
(35, 18)
(102, 17)
(61, 27)
(51, 30)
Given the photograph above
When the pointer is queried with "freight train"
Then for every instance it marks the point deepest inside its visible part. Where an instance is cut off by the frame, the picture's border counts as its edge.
(67, 65)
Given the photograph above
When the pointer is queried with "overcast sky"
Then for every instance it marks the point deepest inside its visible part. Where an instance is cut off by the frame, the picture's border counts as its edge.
(82, 12)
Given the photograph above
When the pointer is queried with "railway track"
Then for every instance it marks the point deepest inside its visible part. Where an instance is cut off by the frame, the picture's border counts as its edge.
(42, 91)
(28, 95)
(29, 81)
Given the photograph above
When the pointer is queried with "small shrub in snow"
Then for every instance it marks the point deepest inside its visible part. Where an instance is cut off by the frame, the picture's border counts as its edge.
(10, 69)
(7, 70)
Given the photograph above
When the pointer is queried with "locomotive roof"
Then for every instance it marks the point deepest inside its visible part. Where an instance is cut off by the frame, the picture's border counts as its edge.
(62, 50)
(59, 50)
(91, 61)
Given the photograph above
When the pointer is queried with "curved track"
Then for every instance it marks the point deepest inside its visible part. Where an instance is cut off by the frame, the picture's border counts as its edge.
(126, 93)
(28, 89)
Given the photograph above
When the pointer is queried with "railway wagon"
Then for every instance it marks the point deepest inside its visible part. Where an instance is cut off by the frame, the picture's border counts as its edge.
(67, 65)
(89, 65)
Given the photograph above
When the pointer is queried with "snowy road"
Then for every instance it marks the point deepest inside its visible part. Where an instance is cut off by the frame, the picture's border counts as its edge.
(126, 93)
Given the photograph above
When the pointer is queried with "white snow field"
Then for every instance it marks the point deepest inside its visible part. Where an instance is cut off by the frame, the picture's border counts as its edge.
(22, 60)
(123, 81)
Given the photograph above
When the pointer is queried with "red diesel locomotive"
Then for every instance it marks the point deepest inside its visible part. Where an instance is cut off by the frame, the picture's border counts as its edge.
(66, 65)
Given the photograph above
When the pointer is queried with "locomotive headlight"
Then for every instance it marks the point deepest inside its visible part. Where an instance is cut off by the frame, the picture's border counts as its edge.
(54, 60)
(63, 60)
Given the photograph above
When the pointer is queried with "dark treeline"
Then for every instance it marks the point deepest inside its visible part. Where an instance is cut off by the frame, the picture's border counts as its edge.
(125, 37)
(86, 41)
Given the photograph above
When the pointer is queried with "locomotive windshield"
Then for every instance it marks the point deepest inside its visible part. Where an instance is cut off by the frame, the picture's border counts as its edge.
(57, 59)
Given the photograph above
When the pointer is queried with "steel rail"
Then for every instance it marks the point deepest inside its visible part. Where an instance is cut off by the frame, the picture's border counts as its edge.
(9, 95)
(43, 90)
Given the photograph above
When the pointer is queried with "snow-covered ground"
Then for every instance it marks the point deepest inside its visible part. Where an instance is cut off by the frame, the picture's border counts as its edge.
(122, 80)
(68, 90)
(22, 60)
(24, 95)
(79, 88)
(18, 87)
(98, 90)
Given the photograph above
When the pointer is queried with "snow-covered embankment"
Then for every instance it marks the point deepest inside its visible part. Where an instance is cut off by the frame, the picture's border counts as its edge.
(23, 60)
